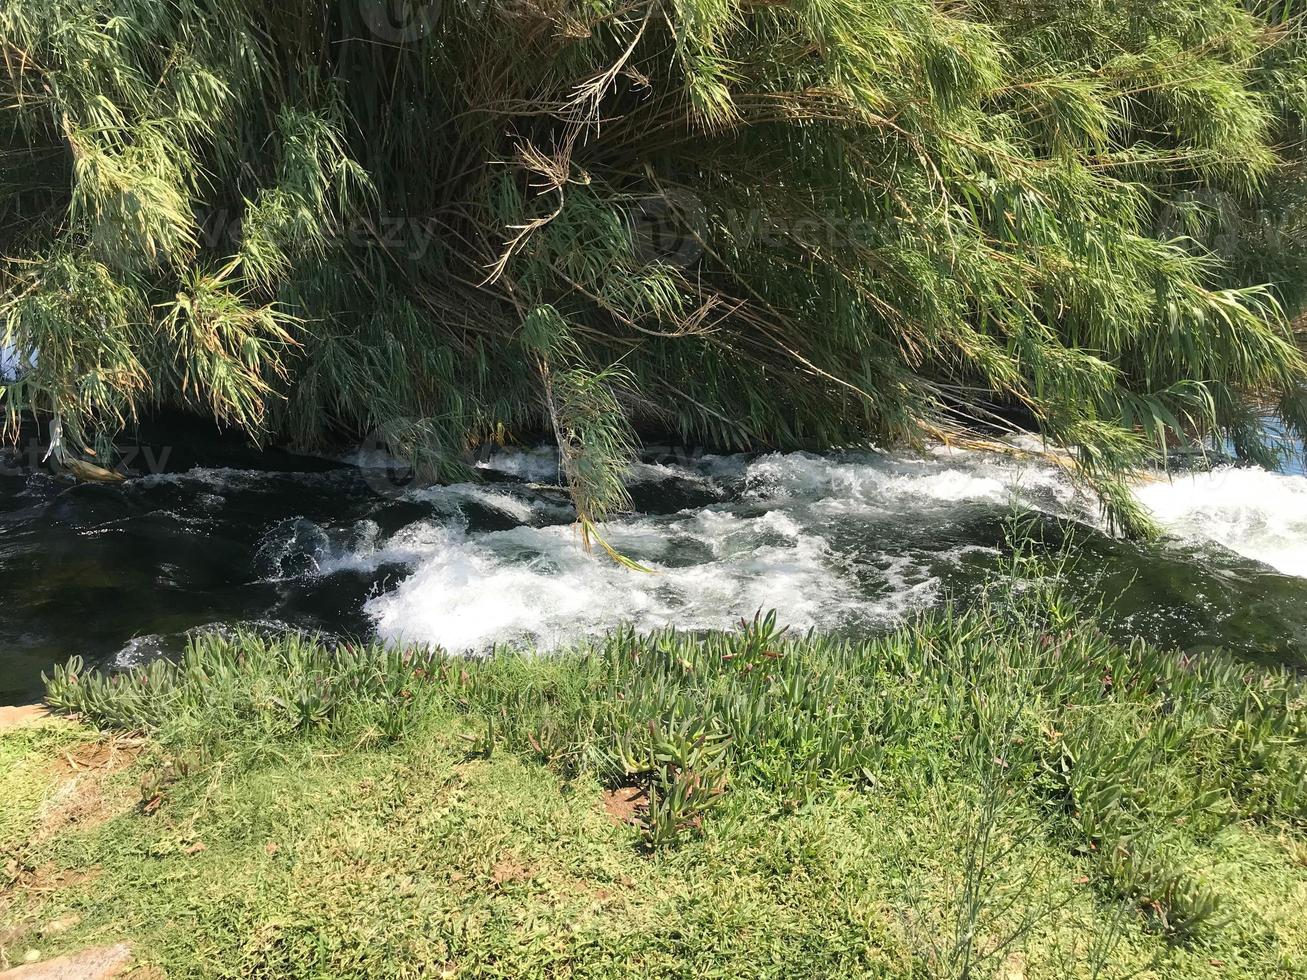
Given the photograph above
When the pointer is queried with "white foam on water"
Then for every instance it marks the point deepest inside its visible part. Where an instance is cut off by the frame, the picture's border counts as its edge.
(216, 478)
(711, 566)
(661, 471)
(140, 649)
(539, 465)
(536, 585)
(525, 508)
(1251, 511)
(1248, 510)
(409, 546)
(766, 543)
(225, 478)
(897, 484)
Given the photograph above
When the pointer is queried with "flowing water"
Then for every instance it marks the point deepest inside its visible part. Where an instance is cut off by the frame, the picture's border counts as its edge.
(849, 542)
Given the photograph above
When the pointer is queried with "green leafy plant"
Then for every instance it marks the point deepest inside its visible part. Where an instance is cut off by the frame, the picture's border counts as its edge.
(790, 225)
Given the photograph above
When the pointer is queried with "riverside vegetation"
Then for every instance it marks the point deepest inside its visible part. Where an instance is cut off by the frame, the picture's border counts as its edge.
(999, 792)
(807, 223)
(794, 224)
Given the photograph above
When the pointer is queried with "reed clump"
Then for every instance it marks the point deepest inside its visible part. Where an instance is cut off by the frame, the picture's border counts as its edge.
(810, 223)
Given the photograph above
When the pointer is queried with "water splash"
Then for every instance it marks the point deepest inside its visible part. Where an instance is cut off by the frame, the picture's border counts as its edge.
(844, 541)
(709, 568)
(849, 542)
(1257, 514)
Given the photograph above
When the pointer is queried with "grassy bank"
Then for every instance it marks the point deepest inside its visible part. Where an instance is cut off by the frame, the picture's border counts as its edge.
(992, 793)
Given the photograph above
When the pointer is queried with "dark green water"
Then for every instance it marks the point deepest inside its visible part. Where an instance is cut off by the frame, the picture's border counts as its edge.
(117, 573)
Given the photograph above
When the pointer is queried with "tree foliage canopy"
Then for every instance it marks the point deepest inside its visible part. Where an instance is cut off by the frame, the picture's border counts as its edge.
(750, 222)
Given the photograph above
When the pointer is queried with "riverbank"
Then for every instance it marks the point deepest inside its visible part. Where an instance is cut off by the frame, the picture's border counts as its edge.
(1006, 792)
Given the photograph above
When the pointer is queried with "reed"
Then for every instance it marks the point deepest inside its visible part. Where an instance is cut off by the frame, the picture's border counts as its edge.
(799, 224)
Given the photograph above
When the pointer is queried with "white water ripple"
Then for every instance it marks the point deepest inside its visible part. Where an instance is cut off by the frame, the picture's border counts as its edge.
(536, 585)
(777, 536)
(1253, 512)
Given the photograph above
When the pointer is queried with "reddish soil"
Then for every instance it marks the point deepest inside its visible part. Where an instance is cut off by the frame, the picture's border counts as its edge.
(22, 714)
(624, 804)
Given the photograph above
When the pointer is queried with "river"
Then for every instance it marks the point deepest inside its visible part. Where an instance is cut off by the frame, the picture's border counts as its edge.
(844, 541)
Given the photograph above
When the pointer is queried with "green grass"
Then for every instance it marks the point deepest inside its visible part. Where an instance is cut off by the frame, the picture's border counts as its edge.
(998, 793)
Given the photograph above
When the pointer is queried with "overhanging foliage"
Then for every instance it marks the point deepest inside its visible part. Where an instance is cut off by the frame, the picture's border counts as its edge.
(796, 223)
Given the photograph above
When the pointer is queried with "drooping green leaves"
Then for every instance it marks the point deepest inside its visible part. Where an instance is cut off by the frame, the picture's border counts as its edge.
(809, 223)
